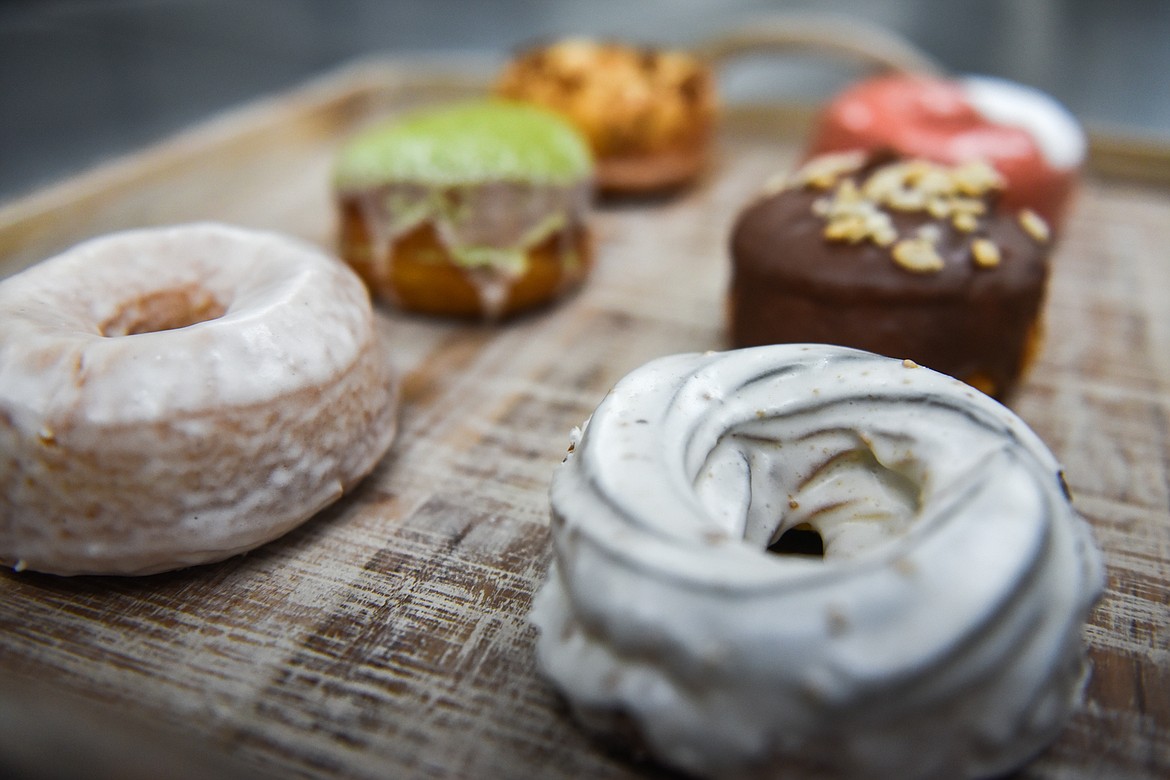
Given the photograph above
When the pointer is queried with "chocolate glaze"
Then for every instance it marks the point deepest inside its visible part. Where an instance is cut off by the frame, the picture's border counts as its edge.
(790, 284)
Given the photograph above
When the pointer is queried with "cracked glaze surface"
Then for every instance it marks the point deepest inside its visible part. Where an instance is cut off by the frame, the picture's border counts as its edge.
(939, 635)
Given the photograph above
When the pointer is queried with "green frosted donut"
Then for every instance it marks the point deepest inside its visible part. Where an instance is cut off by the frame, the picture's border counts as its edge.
(467, 143)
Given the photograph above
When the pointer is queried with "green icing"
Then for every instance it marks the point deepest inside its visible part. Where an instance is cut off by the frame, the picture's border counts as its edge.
(467, 143)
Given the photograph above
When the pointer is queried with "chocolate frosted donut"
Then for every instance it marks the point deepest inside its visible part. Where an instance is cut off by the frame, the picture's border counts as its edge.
(939, 635)
(901, 257)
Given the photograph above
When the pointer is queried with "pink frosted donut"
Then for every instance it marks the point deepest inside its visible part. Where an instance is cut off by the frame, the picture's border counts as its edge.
(175, 396)
(1033, 141)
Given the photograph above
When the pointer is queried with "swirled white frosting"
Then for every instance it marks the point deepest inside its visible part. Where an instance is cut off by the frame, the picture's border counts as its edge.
(173, 396)
(940, 634)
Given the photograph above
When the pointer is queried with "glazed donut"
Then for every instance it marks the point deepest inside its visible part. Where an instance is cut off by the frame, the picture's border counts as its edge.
(939, 636)
(175, 396)
(1032, 140)
(474, 209)
(648, 113)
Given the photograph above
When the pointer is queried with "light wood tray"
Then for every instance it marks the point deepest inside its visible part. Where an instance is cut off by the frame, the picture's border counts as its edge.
(387, 637)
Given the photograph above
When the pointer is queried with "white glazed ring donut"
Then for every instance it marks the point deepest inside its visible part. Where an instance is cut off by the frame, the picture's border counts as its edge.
(938, 637)
(175, 396)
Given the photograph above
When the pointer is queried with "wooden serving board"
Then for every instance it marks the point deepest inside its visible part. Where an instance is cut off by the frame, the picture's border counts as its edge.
(387, 637)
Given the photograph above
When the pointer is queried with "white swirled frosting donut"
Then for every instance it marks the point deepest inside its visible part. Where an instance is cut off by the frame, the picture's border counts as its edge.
(175, 396)
(938, 637)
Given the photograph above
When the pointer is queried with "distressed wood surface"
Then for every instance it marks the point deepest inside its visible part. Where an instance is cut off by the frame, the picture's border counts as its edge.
(388, 635)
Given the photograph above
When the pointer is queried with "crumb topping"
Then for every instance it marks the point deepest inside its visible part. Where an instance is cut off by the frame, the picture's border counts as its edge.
(858, 205)
(623, 98)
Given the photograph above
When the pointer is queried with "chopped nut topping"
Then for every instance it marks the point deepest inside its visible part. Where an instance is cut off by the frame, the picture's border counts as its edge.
(860, 210)
(930, 233)
(976, 178)
(823, 172)
(917, 255)
(908, 363)
(1035, 226)
(854, 219)
(965, 222)
(985, 253)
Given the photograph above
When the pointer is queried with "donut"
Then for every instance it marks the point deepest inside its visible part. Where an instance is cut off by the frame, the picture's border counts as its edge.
(648, 113)
(476, 209)
(175, 396)
(1032, 140)
(939, 634)
(902, 257)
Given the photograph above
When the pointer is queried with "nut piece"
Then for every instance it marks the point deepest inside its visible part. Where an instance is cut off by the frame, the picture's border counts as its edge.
(965, 222)
(985, 253)
(917, 255)
(851, 217)
(976, 177)
(1035, 226)
(823, 172)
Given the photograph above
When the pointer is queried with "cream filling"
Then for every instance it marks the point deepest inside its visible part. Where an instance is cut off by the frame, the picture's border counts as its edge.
(488, 229)
(940, 634)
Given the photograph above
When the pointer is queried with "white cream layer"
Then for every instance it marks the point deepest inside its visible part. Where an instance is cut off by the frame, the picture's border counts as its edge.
(1056, 130)
(940, 635)
(137, 453)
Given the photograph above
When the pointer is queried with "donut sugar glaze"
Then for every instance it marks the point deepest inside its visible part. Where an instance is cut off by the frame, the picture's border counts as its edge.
(1030, 138)
(174, 396)
(939, 636)
(475, 209)
(648, 113)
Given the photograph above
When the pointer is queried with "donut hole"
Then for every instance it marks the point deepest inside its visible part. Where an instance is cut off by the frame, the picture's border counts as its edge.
(853, 503)
(800, 540)
(830, 494)
(170, 309)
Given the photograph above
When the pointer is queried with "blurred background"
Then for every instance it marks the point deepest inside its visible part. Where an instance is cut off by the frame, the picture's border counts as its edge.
(82, 81)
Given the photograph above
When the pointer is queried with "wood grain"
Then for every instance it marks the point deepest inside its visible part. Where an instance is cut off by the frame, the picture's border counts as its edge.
(388, 636)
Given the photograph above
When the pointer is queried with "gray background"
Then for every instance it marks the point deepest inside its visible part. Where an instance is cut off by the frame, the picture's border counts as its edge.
(84, 80)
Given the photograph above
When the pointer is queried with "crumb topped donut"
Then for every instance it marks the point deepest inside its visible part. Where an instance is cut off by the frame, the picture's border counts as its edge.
(175, 396)
(939, 635)
(475, 209)
(648, 113)
(1030, 139)
(903, 257)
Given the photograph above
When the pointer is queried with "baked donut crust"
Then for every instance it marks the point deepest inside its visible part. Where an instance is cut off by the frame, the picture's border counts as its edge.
(648, 114)
(938, 637)
(175, 396)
